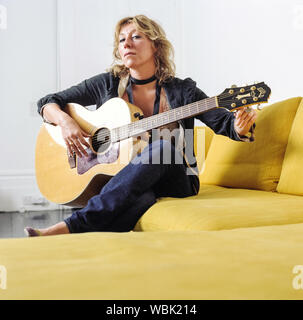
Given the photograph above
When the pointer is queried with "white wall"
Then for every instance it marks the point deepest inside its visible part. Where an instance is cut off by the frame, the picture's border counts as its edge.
(86, 32)
(50, 45)
(217, 42)
(27, 71)
(250, 40)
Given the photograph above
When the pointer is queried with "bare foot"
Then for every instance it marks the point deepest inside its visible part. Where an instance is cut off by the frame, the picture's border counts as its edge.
(59, 228)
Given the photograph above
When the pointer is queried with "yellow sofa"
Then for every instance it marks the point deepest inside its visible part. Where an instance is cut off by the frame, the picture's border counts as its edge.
(241, 237)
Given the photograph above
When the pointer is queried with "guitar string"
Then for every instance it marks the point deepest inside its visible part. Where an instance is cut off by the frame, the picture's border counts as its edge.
(228, 95)
(184, 109)
(202, 105)
(148, 121)
(124, 130)
(196, 104)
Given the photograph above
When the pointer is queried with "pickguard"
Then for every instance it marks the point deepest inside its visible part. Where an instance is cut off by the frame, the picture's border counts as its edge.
(85, 163)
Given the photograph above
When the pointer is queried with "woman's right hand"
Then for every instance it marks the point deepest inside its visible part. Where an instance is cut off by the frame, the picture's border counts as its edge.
(74, 137)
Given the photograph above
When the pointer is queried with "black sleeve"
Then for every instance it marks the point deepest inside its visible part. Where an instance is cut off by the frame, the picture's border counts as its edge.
(88, 92)
(220, 120)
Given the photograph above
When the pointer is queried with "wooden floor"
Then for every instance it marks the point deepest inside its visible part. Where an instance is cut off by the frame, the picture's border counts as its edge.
(13, 223)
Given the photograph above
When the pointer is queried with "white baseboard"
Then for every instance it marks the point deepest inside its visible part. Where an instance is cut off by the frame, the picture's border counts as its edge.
(19, 192)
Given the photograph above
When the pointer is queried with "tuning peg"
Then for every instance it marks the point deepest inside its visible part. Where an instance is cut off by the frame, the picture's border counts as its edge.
(233, 86)
(138, 115)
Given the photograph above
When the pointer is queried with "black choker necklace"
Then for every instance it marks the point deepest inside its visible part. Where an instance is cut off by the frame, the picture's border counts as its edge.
(140, 82)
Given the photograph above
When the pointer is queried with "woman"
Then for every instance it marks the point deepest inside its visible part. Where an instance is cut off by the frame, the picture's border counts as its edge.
(144, 76)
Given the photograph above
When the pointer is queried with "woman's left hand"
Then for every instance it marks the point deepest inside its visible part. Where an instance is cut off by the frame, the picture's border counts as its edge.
(244, 119)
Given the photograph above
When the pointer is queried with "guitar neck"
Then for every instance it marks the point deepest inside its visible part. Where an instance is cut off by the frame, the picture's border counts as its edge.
(138, 127)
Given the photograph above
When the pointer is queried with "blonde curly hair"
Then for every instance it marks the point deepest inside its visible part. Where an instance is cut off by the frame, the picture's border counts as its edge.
(165, 66)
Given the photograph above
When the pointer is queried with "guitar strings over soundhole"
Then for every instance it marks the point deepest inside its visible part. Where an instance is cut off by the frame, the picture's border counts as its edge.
(101, 140)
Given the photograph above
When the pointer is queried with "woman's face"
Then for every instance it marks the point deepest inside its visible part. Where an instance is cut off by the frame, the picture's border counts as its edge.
(135, 48)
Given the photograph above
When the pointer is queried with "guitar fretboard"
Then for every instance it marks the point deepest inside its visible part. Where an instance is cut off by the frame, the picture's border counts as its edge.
(138, 127)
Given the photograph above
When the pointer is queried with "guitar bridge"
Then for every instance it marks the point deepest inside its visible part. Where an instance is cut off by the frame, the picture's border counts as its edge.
(71, 159)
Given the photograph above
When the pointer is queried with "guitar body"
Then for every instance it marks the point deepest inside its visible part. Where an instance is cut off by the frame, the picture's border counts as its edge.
(62, 183)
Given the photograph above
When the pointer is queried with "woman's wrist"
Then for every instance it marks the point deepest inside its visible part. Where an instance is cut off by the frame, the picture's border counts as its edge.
(63, 119)
(54, 114)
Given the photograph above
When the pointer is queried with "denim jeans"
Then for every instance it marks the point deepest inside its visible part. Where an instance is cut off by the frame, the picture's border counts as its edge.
(157, 172)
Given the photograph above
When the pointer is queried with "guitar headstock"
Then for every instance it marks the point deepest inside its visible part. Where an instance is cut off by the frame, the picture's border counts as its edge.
(238, 97)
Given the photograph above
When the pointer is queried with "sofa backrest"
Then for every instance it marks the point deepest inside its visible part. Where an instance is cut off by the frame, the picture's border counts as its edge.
(202, 139)
(291, 180)
(253, 165)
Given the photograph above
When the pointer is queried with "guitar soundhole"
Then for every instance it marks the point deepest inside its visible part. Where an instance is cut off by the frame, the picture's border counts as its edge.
(101, 140)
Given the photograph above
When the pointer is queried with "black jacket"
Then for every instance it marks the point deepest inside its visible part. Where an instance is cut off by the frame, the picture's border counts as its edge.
(99, 89)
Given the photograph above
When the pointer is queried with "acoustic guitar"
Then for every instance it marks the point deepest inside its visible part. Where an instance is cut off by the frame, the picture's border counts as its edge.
(114, 130)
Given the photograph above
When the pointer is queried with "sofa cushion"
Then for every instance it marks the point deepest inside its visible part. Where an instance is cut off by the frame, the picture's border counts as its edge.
(291, 180)
(255, 165)
(218, 208)
(254, 263)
